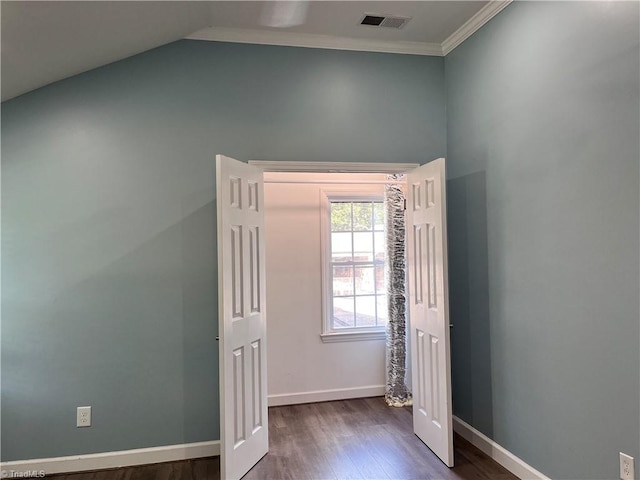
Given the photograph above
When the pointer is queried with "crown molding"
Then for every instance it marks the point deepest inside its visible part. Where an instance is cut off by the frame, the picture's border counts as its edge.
(472, 25)
(292, 39)
(310, 40)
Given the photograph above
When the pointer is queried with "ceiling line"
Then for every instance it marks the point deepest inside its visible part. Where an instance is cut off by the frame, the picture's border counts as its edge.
(309, 40)
(472, 25)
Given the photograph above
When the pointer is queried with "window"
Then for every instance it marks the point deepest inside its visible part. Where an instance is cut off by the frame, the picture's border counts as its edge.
(354, 263)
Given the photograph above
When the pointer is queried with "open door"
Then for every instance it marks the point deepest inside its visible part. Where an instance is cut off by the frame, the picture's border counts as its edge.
(244, 438)
(429, 308)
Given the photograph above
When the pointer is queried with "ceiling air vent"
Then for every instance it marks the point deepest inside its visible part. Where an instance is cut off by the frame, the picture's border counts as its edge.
(389, 21)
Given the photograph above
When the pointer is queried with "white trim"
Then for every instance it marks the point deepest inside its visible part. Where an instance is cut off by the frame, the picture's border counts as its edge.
(504, 457)
(331, 167)
(310, 40)
(336, 182)
(353, 336)
(122, 458)
(325, 395)
(356, 193)
(472, 25)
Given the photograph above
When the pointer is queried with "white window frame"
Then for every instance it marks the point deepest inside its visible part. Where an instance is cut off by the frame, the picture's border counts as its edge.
(344, 334)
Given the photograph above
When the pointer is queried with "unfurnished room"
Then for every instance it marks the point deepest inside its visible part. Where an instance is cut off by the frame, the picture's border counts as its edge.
(323, 240)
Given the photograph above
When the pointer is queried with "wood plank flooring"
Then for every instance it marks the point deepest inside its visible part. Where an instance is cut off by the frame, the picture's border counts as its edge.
(360, 439)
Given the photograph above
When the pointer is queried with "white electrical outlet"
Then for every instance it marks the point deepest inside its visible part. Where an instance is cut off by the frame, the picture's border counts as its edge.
(83, 418)
(627, 468)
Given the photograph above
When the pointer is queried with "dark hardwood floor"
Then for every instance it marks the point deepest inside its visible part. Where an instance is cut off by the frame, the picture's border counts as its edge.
(359, 439)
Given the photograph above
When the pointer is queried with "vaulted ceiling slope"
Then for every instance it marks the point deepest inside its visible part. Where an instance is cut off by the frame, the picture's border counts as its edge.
(43, 42)
(46, 41)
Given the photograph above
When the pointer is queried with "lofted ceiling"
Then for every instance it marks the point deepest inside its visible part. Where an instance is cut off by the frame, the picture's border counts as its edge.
(46, 41)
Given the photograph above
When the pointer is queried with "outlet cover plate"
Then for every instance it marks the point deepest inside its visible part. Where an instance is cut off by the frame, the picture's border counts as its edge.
(627, 467)
(83, 417)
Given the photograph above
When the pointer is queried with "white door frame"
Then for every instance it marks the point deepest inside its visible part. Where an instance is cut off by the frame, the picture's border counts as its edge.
(333, 167)
(336, 167)
(268, 166)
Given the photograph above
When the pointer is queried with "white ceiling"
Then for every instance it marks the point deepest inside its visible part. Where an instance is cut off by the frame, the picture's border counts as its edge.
(432, 22)
(46, 41)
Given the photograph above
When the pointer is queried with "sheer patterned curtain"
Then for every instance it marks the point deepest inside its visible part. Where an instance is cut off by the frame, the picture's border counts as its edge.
(396, 392)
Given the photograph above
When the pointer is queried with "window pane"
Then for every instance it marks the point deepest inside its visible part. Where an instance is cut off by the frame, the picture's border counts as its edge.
(343, 281)
(364, 280)
(380, 246)
(383, 314)
(378, 216)
(340, 216)
(380, 283)
(366, 311)
(341, 247)
(359, 291)
(362, 216)
(343, 313)
(363, 247)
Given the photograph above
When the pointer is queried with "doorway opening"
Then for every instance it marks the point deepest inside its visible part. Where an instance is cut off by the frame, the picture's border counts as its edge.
(326, 298)
(243, 288)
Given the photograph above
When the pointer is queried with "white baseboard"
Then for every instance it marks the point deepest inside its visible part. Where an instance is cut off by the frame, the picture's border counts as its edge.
(170, 453)
(504, 457)
(106, 460)
(325, 395)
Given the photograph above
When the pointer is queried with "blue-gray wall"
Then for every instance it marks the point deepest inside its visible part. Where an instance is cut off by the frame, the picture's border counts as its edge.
(108, 216)
(108, 221)
(543, 157)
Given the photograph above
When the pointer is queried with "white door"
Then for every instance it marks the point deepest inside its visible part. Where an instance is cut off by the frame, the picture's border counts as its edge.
(244, 436)
(429, 308)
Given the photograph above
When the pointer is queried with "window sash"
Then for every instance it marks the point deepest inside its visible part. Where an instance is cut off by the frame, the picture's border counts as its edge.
(375, 294)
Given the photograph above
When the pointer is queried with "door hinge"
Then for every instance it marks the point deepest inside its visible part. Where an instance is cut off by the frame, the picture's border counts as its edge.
(405, 204)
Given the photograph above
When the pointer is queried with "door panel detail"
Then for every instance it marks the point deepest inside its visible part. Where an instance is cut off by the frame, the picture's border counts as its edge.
(417, 264)
(434, 380)
(237, 273)
(422, 381)
(238, 395)
(417, 197)
(253, 196)
(236, 192)
(256, 364)
(431, 264)
(431, 194)
(254, 268)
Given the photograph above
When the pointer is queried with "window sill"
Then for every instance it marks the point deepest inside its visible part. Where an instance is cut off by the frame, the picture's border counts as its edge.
(352, 336)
